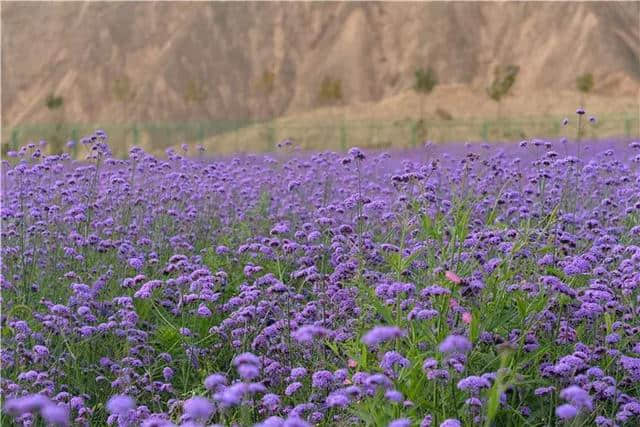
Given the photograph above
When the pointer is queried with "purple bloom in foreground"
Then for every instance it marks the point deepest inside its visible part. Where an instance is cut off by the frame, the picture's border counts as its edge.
(450, 423)
(455, 344)
(120, 404)
(167, 373)
(57, 415)
(337, 399)
(26, 404)
(401, 422)
(305, 334)
(246, 358)
(271, 422)
(566, 411)
(393, 395)
(577, 397)
(322, 379)
(292, 388)
(214, 381)
(295, 422)
(426, 421)
(380, 334)
(198, 408)
(298, 372)
(473, 383)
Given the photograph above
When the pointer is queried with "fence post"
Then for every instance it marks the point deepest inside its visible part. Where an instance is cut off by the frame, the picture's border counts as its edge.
(343, 137)
(414, 134)
(485, 131)
(627, 127)
(74, 138)
(136, 135)
(270, 136)
(201, 134)
(14, 139)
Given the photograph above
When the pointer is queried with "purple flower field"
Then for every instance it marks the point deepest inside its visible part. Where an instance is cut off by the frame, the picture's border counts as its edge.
(455, 285)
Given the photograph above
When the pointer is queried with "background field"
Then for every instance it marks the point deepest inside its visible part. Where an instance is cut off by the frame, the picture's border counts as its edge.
(241, 76)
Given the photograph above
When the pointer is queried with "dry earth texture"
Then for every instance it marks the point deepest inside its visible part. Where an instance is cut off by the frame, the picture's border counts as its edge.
(141, 62)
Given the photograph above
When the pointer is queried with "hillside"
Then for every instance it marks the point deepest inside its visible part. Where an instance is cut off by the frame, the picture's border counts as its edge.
(126, 62)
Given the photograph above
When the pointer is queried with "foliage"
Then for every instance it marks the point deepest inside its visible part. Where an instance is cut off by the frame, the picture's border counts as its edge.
(504, 78)
(122, 89)
(425, 80)
(195, 92)
(330, 90)
(443, 114)
(584, 82)
(266, 83)
(53, 102)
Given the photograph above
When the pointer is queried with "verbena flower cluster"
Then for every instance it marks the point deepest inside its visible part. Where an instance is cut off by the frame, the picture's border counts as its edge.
(454, 285)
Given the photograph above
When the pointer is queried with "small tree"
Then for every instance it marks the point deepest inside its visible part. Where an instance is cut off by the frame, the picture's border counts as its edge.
(584, 84)
(330, 91)
(122, 89)
(425, 81)
(53, 102)
(195, 91)
(265, 85)
(504, 78)
(56, 139)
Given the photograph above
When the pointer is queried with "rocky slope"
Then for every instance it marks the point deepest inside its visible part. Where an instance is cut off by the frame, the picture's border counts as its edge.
(125, 62)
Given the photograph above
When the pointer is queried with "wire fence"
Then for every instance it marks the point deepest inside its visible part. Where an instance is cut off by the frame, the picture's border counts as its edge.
(226, 136)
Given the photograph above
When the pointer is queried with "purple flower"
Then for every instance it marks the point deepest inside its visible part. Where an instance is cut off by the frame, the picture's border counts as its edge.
(213, 381)
(322, 379)
(400, 422)
(632, 366)
(292, 388)
(248, 371)
(393, 358)
(203, 311)
(56, 415)
(22, 405)
(198, 408)
(566, 411)
(120, 404)
(429, 364)
(306, 334)
(541, 391)
(135, 263)
(271, 401)
(455, 344)
(298, 372)
(232, 395)
(246, 358)
(167, 373)
(380, 334)
(356, 153)
(450, 423)
(473, 384)
(295, 422)
(272, 421)
(426, 421)
(393, 395)
(577, 397)
(337, 400)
